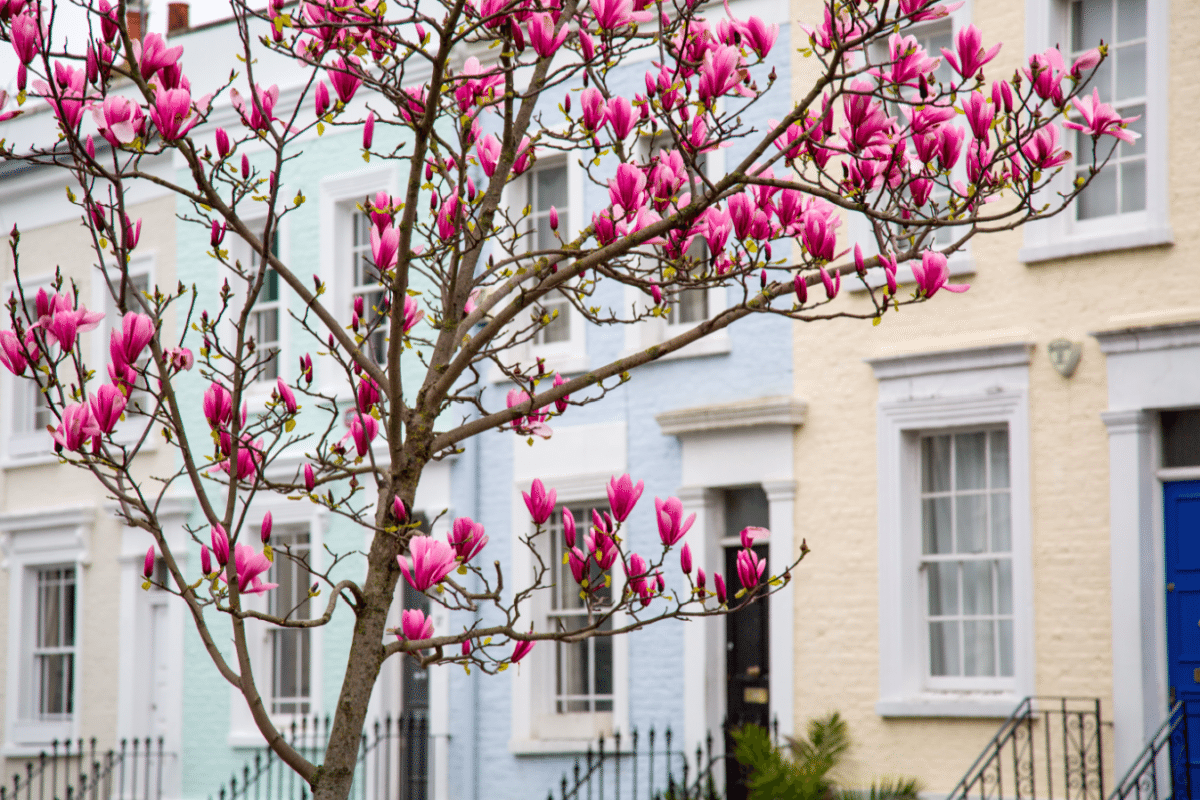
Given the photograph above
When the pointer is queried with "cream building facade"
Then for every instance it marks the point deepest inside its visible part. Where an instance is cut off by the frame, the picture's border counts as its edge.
(956, 408)
(88, 655)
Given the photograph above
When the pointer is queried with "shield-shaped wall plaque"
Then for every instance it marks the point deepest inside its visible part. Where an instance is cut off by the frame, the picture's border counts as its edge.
(1064, 356)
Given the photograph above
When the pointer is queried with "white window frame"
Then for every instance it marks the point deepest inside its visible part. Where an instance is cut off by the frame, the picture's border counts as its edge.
(536, 727)
(35, 540)
(961, 262)
(271, 634)
(952, 391)
(570, 356)
(339, 197)
(31, 446)
(1047, 23)
(242, 730)
(259, 391)
(656, 330)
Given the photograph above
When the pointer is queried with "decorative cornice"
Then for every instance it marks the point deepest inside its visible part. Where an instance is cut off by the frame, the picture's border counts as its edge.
(45, 518)
(1150, 337)
(757, 413)
(909, 365)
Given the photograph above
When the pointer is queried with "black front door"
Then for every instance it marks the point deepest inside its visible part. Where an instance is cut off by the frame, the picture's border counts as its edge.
(747, 638)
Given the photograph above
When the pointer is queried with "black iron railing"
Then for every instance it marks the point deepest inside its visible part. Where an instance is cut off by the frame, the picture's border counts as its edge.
(75, 771)
(647, 766)
(1163, 770)
(393, 763)
(1049, 749)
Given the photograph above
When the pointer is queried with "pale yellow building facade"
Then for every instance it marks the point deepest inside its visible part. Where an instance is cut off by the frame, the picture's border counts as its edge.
(1086, 471)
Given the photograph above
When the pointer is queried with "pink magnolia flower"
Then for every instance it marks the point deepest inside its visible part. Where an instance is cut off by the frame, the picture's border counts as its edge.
(719, 585)
(1101, 118)
(951, 138)
(1045, 72)
(932, 273)
(637, 579)
(594, 108)
(363, 430)
(671, 524)
(249, 459)
(578, 563)
(467, 538)
(310, 480)
(343, 79)
(520, 650)
(414, 625)
(106, 407)
(750, 568)
(620, 117)
(71, 433)
(568, 520)
(752, 534)
(205, 561)
(628, 188)
(119, 119)
(623, 495)
(685, 559)
(979, 114)
(602, 546)
(286, 396)
(125, 345)
(720, 72)
(542, 36)
(180, 358)
(432, 561)
(488, 150)
(222, 141)
(539, 501)
(171, 113)
(321, 99)
(1086, 62)
(1042, 149)
(532, 424)
(61, 321)
(152, 54)
(761, 35)
(148, 565)
(563, 402)
(368, 131)
(413, 313)
(250, 566)
(220, 544)
(12, 353)
(613, 14)
(258, 111)
(907, 62)
(218, 405)
(265, 530)
(367, 394)
(26, 36)
(385, 247)
(970, 56)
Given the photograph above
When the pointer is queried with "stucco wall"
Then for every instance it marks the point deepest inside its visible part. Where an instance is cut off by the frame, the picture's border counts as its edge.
(45, 485)
(837, 636)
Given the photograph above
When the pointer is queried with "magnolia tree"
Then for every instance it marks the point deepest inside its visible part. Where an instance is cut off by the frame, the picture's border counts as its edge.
(464, 278)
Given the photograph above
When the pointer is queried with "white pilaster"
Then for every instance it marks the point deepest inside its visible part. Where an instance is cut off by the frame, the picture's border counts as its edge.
(703, 668)
(781, 498)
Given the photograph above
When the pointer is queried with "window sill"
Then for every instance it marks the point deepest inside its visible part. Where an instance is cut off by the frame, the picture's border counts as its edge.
(715, 344)
(558, 747)
(959, 264)
(966, 704)
(1083, 245)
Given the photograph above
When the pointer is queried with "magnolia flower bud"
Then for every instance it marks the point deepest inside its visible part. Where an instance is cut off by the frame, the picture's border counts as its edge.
(266, 528)
(148, 567)
(205, 560)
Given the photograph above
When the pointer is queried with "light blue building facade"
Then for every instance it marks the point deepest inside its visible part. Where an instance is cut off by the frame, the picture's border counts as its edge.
(712, 425)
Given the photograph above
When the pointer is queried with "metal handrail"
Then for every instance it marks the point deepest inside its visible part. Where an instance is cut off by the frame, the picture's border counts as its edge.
(1142, 778)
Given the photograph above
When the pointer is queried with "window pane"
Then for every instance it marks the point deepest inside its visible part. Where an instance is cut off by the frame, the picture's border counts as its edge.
(1131, 19)
(943, 648)
(573, 677)
(1099, 199)
(979, 648)
(998, 444)
(691, 306)
(1131, 71)
(1138, 126)
(935, 514)
(1133, 186)
(1006, 647)
(943, 588)
(1093, 22)
(977, 588)
(1103, 80)
(604, 660)
(935, 464)
(559, 328)
(1181, 438)
(551, 188)
(969, 463)
(1004, 586)
(970, 523)
(1001, 523)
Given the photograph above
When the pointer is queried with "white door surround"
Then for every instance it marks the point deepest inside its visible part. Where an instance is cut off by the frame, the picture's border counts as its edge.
(1149, 368)
(728, 445)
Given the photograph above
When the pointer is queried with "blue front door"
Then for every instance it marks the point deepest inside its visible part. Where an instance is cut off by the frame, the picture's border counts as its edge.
(1181, 507)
